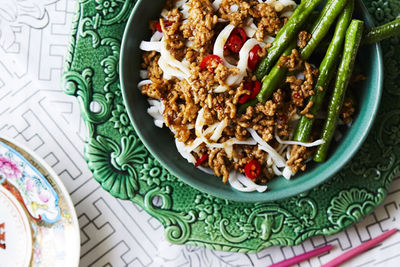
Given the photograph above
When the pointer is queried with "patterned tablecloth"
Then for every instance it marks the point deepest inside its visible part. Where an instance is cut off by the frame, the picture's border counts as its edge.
(34, 37)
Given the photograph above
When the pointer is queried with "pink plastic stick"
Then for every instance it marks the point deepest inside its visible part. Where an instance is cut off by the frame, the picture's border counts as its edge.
(360, 249)
(302, 257)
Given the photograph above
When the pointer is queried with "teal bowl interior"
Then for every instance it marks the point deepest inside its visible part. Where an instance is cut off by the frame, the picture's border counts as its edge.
(160, 142)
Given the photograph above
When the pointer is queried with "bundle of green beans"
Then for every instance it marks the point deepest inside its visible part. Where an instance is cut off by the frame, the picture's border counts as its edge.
(344, 44)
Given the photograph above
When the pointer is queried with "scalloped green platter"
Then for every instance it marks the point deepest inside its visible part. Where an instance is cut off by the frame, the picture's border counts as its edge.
(124, 167)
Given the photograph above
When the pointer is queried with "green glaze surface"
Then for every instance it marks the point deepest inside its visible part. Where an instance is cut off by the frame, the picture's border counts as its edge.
(125, 168)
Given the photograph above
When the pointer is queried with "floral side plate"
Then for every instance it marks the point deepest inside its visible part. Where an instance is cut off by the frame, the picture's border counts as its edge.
(37, 220)
(123, 166)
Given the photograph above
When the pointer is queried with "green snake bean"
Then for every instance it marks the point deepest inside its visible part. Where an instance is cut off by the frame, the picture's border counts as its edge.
(326, 71)
(382, 32)
(351, 45)
(275, 78)
(288, 33)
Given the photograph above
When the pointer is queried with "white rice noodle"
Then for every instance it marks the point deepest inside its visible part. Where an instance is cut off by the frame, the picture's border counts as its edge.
(156, 110)
(173, 62)
(287, 14)
(228, 145)
(250, 184)
(169, 71)
(277, 172)
(278, 159)
(164, 13)
(218, 131)
(206, 170)
(268, 39)
(243, 62)
(216, 4)
(200, 122)
(185, 11)
(144, 74)
(180, 3)
(241, 183)
(157, 36)
(316, 143)
(288, 3)
(143, 83)
(189, 44)
(287, 173)
(222, 20)
(183, 151)
(221, 89)
(234, 8)
(300, 76)
(169, 65)
(288, 152)
(220, 43)
(151, 46)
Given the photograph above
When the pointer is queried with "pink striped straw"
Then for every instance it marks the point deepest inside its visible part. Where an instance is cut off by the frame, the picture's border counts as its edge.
(302, 257)
(360, 249)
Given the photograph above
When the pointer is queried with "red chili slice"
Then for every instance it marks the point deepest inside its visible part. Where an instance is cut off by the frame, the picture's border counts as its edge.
(297, 95)
(248, 86)
(252, 169)
(243, 99)
(235, 43)
(254, 88)
(201, 160)
(236, 40)
(207, 62)
(254, 58)
(157, 25)
(241, 32)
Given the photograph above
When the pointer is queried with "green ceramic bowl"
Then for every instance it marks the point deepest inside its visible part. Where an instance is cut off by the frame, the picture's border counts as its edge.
(160, 142)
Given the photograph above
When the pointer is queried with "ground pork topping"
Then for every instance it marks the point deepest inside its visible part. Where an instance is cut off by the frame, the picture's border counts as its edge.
(297, 159)
(223, 138)
(303, 39)
(347, 110)
(269, 22)
(293, 62)
(199, 27)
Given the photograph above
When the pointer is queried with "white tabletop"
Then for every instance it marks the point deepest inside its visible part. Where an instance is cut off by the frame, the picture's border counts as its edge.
(34, 36)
